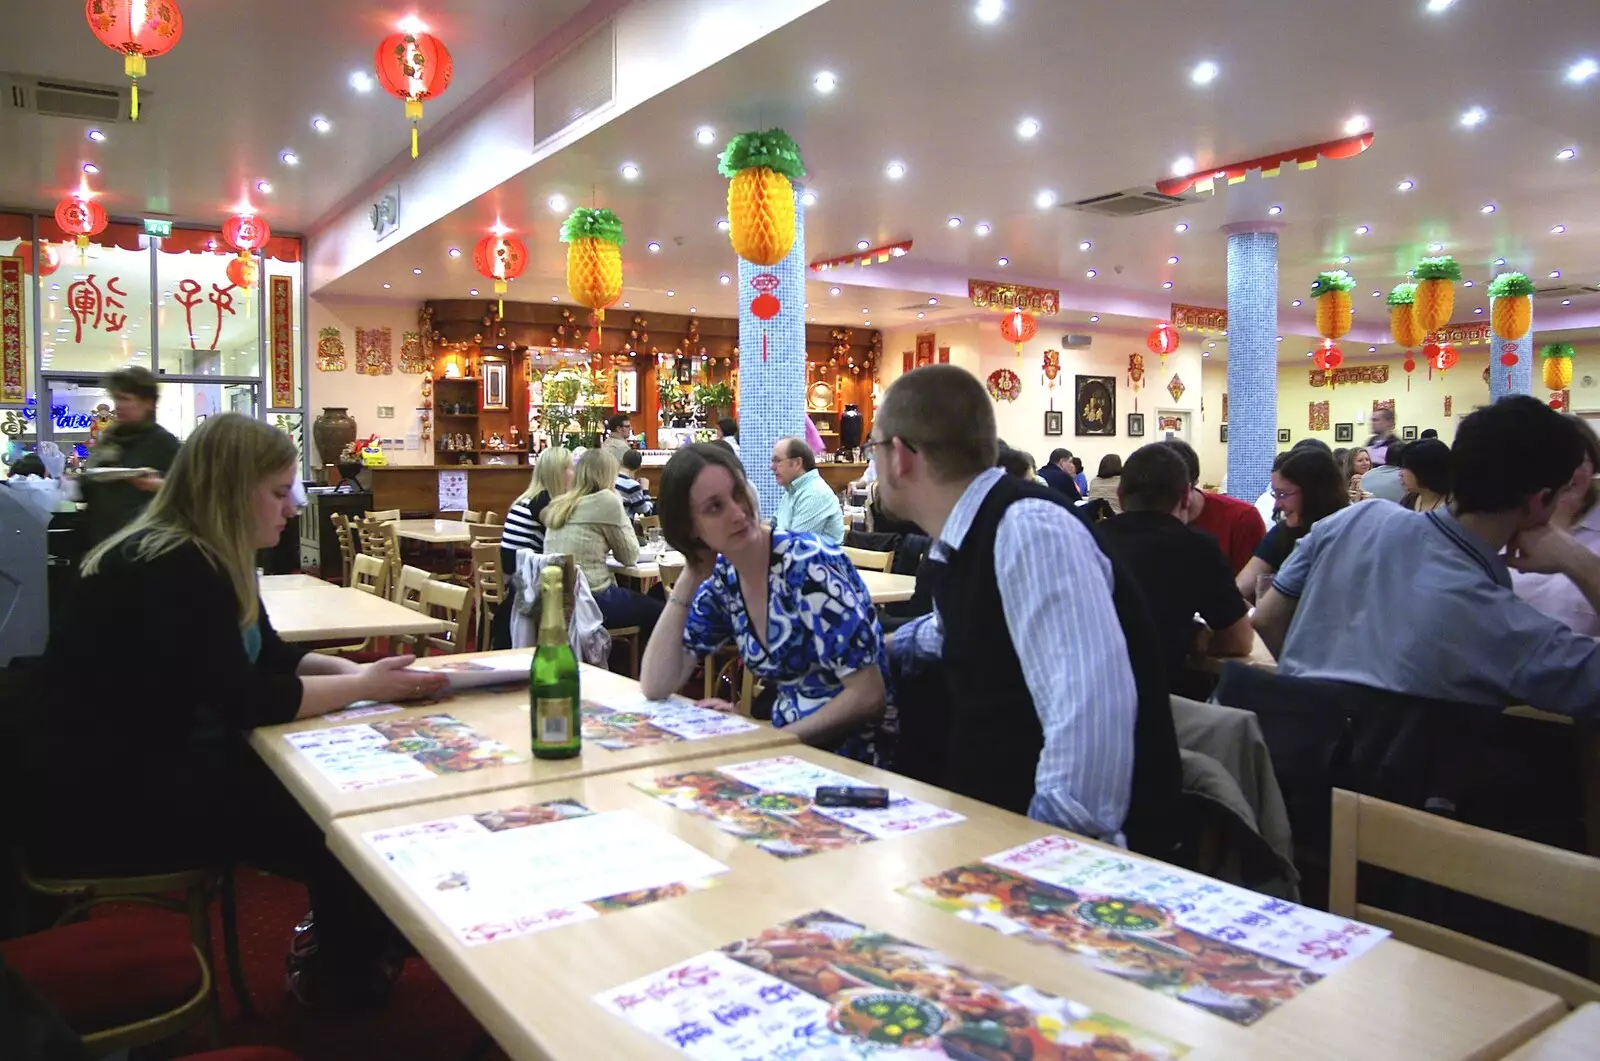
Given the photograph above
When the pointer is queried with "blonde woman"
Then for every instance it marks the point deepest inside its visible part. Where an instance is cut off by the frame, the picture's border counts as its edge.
(552, 475)
(139, 765)
(588, 523)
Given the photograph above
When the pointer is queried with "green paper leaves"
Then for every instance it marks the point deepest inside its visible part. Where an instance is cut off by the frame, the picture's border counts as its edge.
(1337, 280)
(773, 149)
(1441, 268)
(1403, 295)
(1510, 285)
(592, 224)
(1563, 351)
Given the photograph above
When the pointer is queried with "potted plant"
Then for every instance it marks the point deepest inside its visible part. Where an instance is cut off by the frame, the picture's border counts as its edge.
(713, 400)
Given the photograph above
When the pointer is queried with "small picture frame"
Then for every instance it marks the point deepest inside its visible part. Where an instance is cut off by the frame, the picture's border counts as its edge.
(1135, 425)
(1054, 423)
(1408, 434)
(1224, 432)
(494, 385)
(1344, 432)
(1283, 435)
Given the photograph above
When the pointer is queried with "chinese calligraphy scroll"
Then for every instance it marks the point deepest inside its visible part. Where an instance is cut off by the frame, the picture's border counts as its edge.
(13, 385)
(374, 351)
(925, 349)
(281, 336)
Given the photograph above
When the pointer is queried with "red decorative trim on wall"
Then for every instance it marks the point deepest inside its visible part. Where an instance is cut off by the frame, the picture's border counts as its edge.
(13, 384)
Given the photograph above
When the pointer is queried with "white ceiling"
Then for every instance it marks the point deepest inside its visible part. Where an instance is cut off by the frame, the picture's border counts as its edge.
(241, 87)
(1111, 89)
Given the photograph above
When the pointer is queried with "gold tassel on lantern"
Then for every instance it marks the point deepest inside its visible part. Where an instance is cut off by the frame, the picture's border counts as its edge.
(1436, 292)
(760, 168)
(594, 262)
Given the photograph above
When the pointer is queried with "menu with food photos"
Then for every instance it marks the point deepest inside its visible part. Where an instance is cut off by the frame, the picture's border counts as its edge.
(636, 723)
(399, 750)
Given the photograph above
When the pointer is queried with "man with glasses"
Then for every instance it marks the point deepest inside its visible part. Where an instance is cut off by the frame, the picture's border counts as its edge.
(808, 503)
(1038, 708)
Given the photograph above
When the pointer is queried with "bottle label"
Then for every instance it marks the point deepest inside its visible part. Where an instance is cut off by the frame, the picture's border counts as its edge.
(552, 720)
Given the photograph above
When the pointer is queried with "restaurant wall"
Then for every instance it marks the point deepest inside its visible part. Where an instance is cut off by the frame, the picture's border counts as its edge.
(363, 394)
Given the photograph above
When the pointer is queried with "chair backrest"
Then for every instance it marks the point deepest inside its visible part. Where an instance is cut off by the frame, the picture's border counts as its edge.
(1572, 1039)
(385, 515)
(868, 559)
(484, 532)
(469, 516)
(494, 519)
(347, 544)
(408, 587)
(370, 574)
(1548, 882)
(445, 601)
(488, 587)
(649, 523)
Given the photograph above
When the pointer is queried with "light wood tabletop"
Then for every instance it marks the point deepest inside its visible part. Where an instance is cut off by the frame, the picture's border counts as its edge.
(336, 613)
(282, 583)
(433, 531)
(1577, 1038)
(885, 588)
(1393, 1002)
(500, 713)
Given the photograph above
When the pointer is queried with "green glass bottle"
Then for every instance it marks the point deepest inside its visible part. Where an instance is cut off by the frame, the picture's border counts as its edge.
(553, 679)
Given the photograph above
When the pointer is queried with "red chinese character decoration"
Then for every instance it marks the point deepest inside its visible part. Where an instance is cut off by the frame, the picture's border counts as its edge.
(81, 217)
(245, 233)
(94, 307)
(414, 67)
(138, 30)
(500, 258)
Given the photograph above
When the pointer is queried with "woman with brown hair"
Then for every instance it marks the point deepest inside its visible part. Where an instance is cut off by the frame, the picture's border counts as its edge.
(1307, 485)
(793, 605)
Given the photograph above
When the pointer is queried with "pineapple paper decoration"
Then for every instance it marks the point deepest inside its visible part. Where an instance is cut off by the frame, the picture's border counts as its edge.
(1436, 291)
(1511, 296)
(1557, 365)
(1332, 292)
(1403, 323)
(594, 263)
(760, 167)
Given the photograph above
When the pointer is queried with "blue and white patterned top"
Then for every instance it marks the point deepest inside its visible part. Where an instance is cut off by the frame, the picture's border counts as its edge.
(821, 627)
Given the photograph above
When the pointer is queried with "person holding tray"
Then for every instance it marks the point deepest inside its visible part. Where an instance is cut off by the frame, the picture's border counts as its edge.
(125, 469)
(137, 763)
(793, 605)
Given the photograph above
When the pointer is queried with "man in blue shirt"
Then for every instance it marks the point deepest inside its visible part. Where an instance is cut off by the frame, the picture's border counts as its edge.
(1465, 636)
(808, 504)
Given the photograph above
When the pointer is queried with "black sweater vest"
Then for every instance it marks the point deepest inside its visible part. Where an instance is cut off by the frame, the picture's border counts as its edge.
(993, 737)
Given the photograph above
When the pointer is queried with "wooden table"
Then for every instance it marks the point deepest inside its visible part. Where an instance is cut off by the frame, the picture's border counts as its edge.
(1393, 1002)
(885, 588)
(500, 713)
(336, 613)
(433, 531)
(284, 583)
(1577, 1038)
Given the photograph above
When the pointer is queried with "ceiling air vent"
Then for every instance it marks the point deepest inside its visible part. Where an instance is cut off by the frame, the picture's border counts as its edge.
(79, 100)
(1129, 203)
(1070, 340)
(580, 82)
(1567, 291)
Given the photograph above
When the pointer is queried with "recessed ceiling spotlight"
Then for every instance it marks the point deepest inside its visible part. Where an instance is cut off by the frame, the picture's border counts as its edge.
(555, 298)
(1436, 6)
(1478, 310)
(90, 168)
(1172, 260)
(1002, 261)
(1345, 260)
(1045, 199)
(705, 136)
(895, 170)
(1473, 116)
(289, 158)
(321, 125)
(96, 135)
(627, 305)
(1362, 230)
(1028, 128)
(361, 81)
(1167, 286)
(264, 187)
(629, 171)
(691, 310)
(387, 286)
(1436, 247)
(1280, 338)
(1566, 154)
(1377, 294)
(862, 244)
(1582, 70)
(558, 203)
(865, 310)
(1405, 186)
(722, 225)
(921, 315)
(808, 198)
(1296, 303)
(1274, 211)
(833, 290)
(933, 302)
(416, 272)
(989, 10)
(1555, 274)
(954, 222)
(1095, 319)
(670, 292)
(1499, 261)
(825, 81)
(1212, 344)
(1558, 230)
(1467, 284)
(1487, 208)
(1091, 274)
(724, 279)
(1566, 302)
(1085, 245)
(653, 247)
(1355, 125)
(1182, 226)
(982, 229)
(866, 324)
(1204, 72)
(455, 252)
(472, 291)
(1183, 166)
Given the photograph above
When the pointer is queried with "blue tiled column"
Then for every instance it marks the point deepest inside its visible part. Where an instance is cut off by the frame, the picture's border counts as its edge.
(772, 392)
(1252, 358)
(1521, 375)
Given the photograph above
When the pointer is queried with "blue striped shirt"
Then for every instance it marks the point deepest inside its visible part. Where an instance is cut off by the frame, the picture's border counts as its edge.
(1055, 588)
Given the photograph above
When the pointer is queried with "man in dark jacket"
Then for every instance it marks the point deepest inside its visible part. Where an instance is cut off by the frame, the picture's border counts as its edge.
(1057, 474)
(134, 441)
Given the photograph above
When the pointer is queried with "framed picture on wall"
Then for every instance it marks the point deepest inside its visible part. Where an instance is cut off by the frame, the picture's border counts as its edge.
(1054, 423)
(495, 395)
(1283, 435)
(1096, 408)
(1408, 434)
(1224, 432)
(1344, 432)
(1135, 425)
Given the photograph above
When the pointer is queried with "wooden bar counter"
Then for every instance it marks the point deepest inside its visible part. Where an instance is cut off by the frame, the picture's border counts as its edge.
(415, 487)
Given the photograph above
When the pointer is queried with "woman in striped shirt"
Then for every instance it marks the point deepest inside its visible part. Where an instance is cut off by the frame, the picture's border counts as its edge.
(552, 474)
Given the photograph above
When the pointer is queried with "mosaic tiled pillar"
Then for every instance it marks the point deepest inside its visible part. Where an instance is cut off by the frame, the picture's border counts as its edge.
(1252, 359)
(1518, 379)
(772, 363)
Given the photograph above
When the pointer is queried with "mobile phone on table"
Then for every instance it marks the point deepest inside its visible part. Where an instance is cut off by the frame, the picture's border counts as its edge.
(846, 796)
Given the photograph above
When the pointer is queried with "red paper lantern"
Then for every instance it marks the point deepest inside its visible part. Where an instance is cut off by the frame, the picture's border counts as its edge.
(500, 258)
(246, 232)
(1328, 357)
(1162, 340)
(49, 262)
(1410, 365)
(1556, 402)
(139, 30)
(1446, 358)
(1508, 360)
(1018, 327)
(81, 218)
(242, 272)
(414, 67)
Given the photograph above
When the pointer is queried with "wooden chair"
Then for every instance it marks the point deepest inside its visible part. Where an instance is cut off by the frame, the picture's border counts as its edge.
(869, 559)
(1557, 885)
(379, 538)
(483, 532)
(647, 524)
(1573, 1039)
(494, 519)
(408, 587)
(729, 669)
(488, 588)
(370, 574)
(387, 515)
(470, 516)
(444, 600)
(347, 545)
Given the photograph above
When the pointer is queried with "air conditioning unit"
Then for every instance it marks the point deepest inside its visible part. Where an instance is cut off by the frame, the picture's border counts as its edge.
(1131, 202)
(1070, 340)
(58, 98)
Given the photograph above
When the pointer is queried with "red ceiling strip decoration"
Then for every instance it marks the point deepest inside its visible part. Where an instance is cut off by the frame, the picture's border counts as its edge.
(870, 256)
(13, 384)
(280, 309)
(132, 238)
(1269, 165)
(990, 294)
